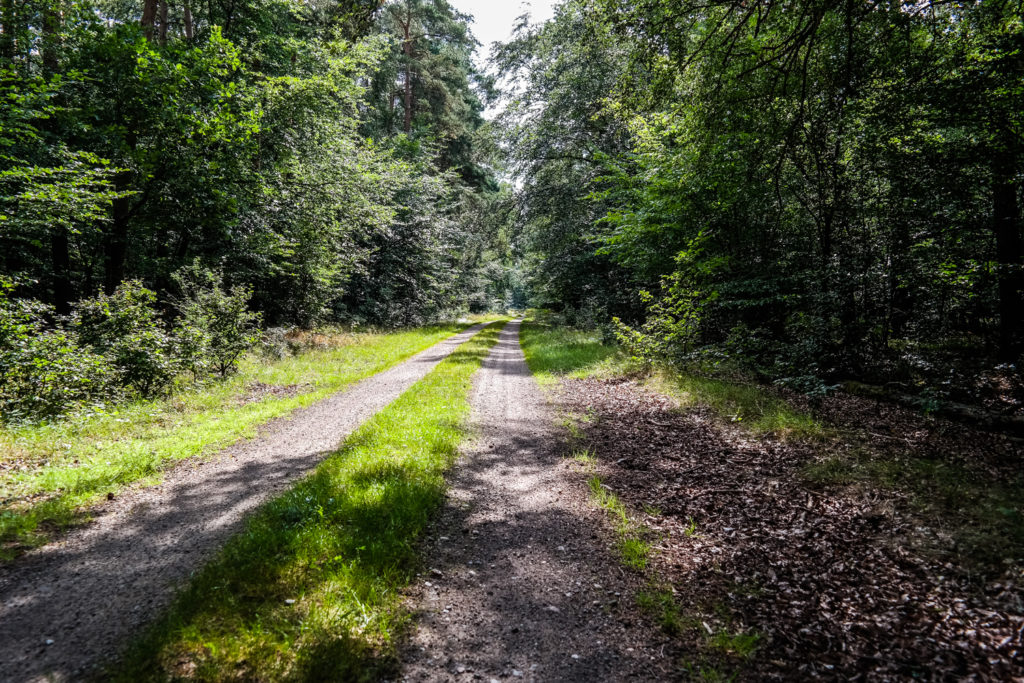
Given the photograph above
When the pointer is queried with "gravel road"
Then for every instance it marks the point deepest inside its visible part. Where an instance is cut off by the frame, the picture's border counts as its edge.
(521, 583)
(66, 607)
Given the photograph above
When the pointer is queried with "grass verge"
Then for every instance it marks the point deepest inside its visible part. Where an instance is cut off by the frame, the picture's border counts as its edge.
(49, 472)
(556, 352)
(747, 405)
(310, 590)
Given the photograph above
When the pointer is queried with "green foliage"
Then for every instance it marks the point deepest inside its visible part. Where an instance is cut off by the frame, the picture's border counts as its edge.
(558, 136)
(51, 471)
(124, 328)
(851, 196)
(44, 372)
(249, 138)
(673, 325)
(216, 327)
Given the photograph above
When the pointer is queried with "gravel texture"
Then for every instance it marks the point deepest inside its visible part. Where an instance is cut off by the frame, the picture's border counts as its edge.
(521, 584)
(68, 606)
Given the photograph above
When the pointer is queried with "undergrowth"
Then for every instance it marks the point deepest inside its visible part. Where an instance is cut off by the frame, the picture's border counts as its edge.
(49, 472)
(310, 589)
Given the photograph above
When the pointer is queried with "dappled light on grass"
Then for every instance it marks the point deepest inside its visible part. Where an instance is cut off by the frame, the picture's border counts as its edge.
(745, 405)
(552, 352)
(309, 590)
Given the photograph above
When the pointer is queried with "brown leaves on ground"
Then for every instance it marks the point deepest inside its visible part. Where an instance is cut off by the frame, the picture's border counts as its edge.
(838, 579)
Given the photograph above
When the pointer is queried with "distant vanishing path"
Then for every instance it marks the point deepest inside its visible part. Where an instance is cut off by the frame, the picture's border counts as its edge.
(66, 607)
(522, 587)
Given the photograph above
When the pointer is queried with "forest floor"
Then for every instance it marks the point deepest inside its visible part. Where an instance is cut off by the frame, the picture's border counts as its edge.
(867, 542)
(67, 606)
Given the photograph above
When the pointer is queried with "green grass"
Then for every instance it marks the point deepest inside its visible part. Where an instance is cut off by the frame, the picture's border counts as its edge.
(660, 604)
(747, 405)
(585, 457)
(554, 352)
(742, 645)
(691, 528)
(310, 589)
(50, 472)
(634, 551)
(719, 654)
(557, 352)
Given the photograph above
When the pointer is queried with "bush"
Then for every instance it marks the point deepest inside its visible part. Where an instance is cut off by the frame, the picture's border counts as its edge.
(216, 325)
(672, 327)
(124, 328)
(43, 373)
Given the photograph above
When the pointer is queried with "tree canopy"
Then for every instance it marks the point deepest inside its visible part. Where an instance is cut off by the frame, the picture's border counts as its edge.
(813, 191)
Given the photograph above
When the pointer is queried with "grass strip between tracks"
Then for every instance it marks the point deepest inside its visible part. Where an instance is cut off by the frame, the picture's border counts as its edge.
(311, 589)
(50, 472)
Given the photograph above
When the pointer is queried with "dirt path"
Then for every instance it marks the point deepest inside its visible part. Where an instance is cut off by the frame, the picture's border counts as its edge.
(66, 607)
(522, 584)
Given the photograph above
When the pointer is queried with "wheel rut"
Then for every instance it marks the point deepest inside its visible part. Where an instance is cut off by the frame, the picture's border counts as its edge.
(68, 606)
(520, 583)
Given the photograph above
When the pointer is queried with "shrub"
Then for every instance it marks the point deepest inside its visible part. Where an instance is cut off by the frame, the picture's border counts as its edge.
(672, 328)
(216, 326)
(43, 373)
(125, 329)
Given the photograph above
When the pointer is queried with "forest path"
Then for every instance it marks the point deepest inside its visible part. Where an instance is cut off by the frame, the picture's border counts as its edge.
(521, 585)
(66, 607)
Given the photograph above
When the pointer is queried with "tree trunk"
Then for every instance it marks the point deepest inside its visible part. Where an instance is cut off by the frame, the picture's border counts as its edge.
(7, 31)
(899, 299)
(149, 8)
(51, 36)
(60, 257)
(1006, 226)
(163, 22)
(407, 49)
(60, 261)
(187, 9)
(115, 242)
